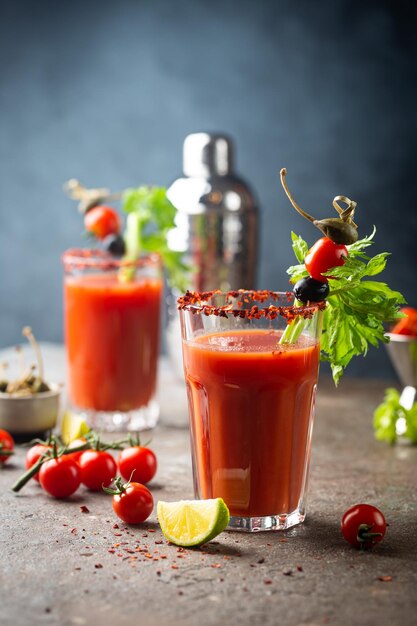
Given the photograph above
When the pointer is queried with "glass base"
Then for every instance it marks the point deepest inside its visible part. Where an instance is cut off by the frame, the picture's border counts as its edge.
(144, 418)
(267, 522)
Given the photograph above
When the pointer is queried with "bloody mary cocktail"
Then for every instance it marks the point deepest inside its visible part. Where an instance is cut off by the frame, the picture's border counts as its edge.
(112, 338)
(251, 405)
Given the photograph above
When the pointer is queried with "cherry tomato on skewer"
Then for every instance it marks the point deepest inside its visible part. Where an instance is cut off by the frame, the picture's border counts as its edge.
(324, 255)
(102, 221)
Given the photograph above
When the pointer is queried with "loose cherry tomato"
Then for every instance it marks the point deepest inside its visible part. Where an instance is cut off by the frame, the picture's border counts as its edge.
(75, 456)
(98, 468)
(363, 525)
(6, 444)
(33, 455)
(138, 463)
(133, 504)
(102, 221)
(407, 325)
(60, 477)
(324, 255)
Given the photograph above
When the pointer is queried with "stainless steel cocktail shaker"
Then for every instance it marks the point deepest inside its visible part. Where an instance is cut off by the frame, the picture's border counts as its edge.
(217, 219)
(216, 230)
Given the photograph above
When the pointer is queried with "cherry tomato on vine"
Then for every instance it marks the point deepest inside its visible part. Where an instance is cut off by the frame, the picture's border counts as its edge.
(137, 462)
(6, 444)
(60, 477)
(76, 444)
(98, 468)
(34, 454)
(363, 525)
(132, 502)
(102, 221)
(324, 255)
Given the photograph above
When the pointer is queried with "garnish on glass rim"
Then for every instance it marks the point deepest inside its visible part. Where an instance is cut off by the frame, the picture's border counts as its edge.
(150, 217)
(340, 229)
(357, 307)
(197, 303)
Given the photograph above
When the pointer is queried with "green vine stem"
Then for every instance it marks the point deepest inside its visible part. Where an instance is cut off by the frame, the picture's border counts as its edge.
(119, 489)
(93, 442)
(364, 536)
(46, 456)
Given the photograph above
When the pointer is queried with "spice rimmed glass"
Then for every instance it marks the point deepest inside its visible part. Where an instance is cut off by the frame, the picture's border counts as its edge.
(112, 326)
(251, 363)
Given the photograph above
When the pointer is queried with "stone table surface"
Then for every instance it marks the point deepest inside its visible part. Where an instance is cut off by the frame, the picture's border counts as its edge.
(62, 566)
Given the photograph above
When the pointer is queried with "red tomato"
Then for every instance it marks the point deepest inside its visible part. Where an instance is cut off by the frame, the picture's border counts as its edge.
(139, 460)
(75, 456)
(60, 477)
(98, 468)
(134, 505)
(34, 454)
(6, 443)
(324, 255)
(102, 221)
(363, 525)
(407, 325)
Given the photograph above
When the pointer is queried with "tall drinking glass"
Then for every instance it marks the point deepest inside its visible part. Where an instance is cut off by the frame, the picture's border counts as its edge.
(112, 326)
(251, 363)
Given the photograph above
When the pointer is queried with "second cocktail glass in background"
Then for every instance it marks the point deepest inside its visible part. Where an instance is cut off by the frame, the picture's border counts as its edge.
(251, 363)
(112, 326)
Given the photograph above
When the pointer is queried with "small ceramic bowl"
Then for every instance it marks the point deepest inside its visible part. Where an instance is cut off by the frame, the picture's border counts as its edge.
(27, 415)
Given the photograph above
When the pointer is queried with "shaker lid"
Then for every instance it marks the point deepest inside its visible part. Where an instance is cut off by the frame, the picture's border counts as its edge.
(207, 154)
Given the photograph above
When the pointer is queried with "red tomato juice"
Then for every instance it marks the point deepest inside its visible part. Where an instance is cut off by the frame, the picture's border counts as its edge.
(251, 414)
(112, 337)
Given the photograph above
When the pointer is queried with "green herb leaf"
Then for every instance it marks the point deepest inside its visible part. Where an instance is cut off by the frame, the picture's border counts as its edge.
(357, 308)
(411, 424)
(299, 246)
(150, 218)
(388, 413)
(296, 272)
(386, 416)
(359, 246)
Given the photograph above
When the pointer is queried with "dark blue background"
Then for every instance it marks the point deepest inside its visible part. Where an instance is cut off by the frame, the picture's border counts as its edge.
(106, 91)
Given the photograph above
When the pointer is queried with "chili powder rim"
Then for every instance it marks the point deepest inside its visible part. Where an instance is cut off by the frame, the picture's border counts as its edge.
(197, 303)
(94, 258)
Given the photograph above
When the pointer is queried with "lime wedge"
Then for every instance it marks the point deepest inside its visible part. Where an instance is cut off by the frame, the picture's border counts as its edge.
(73, 426)
(192, 522)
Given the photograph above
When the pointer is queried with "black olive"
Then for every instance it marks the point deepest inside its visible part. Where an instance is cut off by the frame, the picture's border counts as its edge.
(311, 290)
(115, 244)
